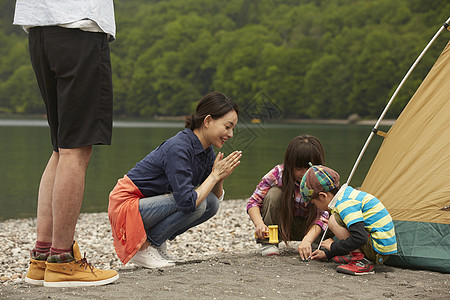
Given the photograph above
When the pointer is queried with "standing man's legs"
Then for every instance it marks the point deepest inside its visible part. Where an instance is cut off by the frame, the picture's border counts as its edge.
(67, 196)
(73, 71)
(44, 208)
(60, 196)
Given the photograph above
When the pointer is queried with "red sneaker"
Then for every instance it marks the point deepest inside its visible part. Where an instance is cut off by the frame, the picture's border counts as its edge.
(345, 259)
(357, 267)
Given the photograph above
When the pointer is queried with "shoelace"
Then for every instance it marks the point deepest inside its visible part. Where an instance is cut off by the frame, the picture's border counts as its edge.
(84, 263)
(165, 254)
(153, 255)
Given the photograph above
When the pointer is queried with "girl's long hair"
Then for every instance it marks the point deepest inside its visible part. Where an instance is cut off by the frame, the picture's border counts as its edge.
(300, 151)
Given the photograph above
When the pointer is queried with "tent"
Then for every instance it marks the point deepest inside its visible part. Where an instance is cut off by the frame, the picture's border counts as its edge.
(411, 174)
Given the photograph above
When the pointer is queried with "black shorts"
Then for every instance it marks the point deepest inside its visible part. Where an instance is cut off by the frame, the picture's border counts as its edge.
(73, 71)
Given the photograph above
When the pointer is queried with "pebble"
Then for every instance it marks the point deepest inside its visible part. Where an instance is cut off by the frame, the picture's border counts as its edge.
(229, 231)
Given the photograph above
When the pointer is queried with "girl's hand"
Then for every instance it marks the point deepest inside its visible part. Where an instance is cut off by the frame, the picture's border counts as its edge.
(318, 254)
(327, 244)
(223, 167)
(260, 230)
(304, 249)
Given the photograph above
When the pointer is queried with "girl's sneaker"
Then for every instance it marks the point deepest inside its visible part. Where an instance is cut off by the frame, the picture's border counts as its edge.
(269, 249)
(345, 259)
(357, 267)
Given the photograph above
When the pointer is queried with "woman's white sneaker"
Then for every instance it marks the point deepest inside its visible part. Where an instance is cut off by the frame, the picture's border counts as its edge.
(162, 250)
(150, 258)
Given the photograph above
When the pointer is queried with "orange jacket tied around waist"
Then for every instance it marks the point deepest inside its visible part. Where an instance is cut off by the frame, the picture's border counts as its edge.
(126, 222)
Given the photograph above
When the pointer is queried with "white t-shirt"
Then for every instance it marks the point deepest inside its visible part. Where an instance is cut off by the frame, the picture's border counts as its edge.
(88, 15)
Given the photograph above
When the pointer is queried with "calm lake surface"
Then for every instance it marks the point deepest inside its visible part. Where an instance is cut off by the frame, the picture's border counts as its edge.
(25, 148)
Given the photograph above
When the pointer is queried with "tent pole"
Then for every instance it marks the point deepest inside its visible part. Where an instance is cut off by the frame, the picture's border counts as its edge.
(375, 129)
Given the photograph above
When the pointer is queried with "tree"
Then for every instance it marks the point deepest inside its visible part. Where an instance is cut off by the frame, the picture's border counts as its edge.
(306, 55)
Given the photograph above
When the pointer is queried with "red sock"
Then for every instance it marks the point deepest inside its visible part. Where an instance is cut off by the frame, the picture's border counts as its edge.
(42, 247)
(55, 251)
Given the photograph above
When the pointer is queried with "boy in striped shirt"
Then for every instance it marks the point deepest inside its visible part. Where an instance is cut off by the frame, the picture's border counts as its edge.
(360, 222)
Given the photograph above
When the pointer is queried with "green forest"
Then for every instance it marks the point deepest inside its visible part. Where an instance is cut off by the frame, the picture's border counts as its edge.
(312, 58)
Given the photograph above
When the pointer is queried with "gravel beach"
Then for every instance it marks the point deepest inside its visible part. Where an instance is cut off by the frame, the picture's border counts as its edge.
(230, 231)
(222, 262)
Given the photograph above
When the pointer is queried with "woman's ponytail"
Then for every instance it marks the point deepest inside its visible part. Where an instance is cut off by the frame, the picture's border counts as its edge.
(214, 104)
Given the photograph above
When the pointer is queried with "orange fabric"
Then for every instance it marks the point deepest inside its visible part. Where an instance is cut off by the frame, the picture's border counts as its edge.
(126, 222)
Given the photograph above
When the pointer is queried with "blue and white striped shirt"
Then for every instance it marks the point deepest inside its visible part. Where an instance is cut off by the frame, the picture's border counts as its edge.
(355, 206)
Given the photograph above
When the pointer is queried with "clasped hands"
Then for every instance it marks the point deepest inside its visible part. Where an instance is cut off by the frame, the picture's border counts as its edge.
(223, 167)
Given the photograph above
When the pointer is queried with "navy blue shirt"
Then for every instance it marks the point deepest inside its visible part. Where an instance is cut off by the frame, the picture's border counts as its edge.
(178, 165)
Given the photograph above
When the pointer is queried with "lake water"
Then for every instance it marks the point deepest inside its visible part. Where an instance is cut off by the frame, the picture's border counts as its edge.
(25, 148)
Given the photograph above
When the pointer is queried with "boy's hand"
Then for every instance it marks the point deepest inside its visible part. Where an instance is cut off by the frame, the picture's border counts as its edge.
(318, 254)
(327, 244)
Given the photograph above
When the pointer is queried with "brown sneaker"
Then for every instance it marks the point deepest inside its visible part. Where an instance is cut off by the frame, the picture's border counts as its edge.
(36, 272)
(78, 272)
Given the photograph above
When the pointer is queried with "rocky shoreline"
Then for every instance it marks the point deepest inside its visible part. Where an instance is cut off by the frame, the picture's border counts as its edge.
(222, 262)
(230, 231)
